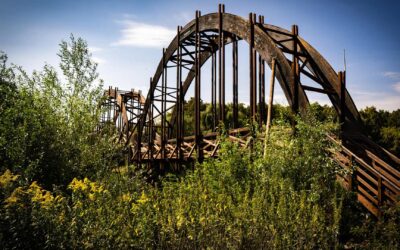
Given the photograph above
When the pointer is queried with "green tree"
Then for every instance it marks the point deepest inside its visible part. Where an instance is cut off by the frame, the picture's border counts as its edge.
(47, 126)
(383, 127)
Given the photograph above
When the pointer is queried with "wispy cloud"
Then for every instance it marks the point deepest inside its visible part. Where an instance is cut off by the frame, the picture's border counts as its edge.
(381, 100)
(392, 75)
(396, 86)
(139, 34)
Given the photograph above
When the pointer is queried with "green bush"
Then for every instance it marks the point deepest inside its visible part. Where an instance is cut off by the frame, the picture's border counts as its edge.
(287, 199)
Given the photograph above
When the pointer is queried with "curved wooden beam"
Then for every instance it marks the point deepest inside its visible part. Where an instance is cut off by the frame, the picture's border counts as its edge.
(266, 38)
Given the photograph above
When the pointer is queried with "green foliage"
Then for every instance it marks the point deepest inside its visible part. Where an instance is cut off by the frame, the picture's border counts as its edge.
(47, 126)
(288, 199)
(383, 127)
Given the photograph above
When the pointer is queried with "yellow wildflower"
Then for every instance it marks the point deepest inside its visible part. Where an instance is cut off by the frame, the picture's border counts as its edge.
(76, 185)
(94, 187)
(143, 198)
(15, 197)
(179, 221)
(91, 196)
(59, 198)
(126, 197)
(11, 200)
(39, 195)
(7, 177)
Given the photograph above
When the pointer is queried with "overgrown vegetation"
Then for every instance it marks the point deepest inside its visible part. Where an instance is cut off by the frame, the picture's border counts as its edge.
(47, 125)
(383, 127)
(60, 186)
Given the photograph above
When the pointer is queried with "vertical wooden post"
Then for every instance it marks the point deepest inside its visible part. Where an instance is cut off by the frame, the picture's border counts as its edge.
(214, 89)
(295, 71)
(151, 129)
(380, 191)
(235, 106)
(178, 94)
(253, 73)
(163, 96)
(342, 118)
(198, 133)
(261, 85)
(351, 178)
(221, 64)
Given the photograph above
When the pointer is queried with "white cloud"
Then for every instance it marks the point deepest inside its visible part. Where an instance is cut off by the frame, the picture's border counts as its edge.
(144, 35)
(381, 100)
(396, 86)
(392, 75)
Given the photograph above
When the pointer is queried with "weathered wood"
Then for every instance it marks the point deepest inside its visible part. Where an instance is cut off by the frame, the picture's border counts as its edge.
(368, 205)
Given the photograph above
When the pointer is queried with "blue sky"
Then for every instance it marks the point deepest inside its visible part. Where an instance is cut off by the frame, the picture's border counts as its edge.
(369, 31)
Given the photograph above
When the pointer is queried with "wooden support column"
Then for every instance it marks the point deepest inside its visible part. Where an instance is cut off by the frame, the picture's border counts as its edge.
(342, 117)
(252, 58)
(163, 107)
(261, 85)
(235, 83)
(178, 95)
(198, 134)
(380, 191)
(151, 129)
(295, 71)
(214, 89)
(139, 138)
(221, 63)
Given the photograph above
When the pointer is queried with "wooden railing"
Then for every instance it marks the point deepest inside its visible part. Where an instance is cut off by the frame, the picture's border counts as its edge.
(375, 182)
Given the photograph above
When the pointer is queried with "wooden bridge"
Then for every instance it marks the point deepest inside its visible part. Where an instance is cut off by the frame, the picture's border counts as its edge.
(153, 128)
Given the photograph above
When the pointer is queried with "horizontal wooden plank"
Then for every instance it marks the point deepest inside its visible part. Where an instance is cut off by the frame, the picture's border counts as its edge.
(367, 176)
(368, 195)
(388, 175)
(367, 185)
(383, 164)
(368, 205)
